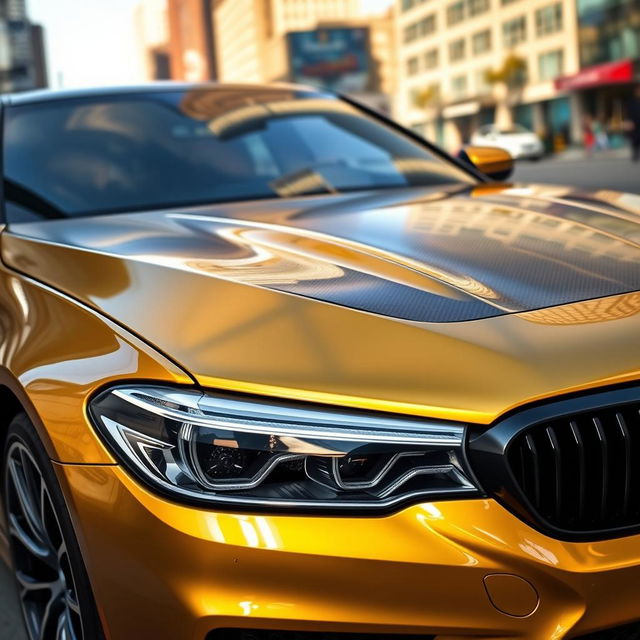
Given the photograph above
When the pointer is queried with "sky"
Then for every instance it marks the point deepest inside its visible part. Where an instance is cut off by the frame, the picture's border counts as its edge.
(92, 42)
(88, 42)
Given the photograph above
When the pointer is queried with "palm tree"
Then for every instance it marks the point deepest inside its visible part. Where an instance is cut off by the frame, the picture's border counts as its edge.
(426, 98)
(509, 80)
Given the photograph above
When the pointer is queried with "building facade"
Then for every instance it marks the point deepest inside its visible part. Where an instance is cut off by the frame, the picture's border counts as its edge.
(609, 30)
(151, 23)
(252, 38)
(609, 45)
(22, 60)
(466, 63)
(175, 39)
(251, 34)
(191, 41)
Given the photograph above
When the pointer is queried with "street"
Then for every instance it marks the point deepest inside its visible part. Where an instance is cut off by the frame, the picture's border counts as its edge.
(10, 619)
(611, 173)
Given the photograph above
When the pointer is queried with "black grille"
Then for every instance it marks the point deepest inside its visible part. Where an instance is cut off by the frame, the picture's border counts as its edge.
(581, 473)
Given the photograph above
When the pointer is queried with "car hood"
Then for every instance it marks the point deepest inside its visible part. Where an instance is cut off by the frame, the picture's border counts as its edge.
(454, 302)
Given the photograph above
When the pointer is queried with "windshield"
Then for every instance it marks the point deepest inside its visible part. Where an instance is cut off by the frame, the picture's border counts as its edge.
(107, 154)
(513, 130)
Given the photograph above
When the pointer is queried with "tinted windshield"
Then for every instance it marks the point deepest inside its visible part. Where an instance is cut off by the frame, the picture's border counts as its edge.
(158, 150)
(515, 129)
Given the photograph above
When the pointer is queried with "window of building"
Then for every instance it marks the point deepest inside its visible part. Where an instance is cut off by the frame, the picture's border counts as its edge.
(427, 26)
(431, 59)
(457, 50)
(549, 19)
(476, 7)
(459, 87)
(410, 33)
(514, 31)
(458, 11)
(413, 66)
(551, 65)
(409, 4)
(481, 42)
(420, 29)
(455, 12)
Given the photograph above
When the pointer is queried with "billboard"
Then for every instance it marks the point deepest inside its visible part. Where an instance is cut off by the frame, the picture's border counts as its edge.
(333, 58)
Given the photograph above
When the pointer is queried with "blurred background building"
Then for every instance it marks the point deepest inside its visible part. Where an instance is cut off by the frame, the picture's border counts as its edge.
(546, 64)
(443, 67)
(22, 61)
(151, 21)
(191, 42)
(333, 44)
(467, 63)
(609, 48)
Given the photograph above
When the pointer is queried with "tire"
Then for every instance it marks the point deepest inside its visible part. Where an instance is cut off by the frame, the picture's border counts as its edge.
(54, 590)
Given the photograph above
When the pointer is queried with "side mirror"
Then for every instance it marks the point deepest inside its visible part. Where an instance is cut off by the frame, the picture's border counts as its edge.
(495, 163)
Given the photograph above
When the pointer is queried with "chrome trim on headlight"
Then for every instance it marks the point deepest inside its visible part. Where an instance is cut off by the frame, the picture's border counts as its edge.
(241, 452)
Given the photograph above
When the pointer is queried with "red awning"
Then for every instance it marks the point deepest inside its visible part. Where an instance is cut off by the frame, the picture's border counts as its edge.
(602, 74)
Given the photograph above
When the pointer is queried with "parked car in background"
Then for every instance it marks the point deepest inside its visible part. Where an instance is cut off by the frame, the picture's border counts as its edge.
(519, 141)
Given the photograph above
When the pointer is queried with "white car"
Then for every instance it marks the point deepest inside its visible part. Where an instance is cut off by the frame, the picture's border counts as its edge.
(517, 140)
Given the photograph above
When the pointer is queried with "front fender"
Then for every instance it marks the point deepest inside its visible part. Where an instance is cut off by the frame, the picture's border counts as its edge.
(55, 352)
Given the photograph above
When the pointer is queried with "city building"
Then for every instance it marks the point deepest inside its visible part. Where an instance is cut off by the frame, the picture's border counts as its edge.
(609, 43)
(330, 43)
(466, 63)
(176, 39)
(191, 40)
(22, 60)
(152, 37)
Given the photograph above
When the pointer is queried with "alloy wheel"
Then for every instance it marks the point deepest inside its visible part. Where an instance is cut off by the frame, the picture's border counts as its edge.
(46, 585)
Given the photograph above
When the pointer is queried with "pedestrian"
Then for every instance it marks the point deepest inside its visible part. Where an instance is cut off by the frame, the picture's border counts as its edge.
(601, 137)
(633, 123)
(589, 138)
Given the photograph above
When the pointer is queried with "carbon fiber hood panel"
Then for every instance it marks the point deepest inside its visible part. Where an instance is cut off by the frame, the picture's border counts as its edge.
(424, 256)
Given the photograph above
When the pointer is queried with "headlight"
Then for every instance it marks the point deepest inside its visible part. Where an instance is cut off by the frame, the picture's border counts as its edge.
(250, 453)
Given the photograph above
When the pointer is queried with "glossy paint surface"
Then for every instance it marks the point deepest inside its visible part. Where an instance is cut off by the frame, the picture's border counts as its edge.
(275, 297)
(53, 355)
(170, 572)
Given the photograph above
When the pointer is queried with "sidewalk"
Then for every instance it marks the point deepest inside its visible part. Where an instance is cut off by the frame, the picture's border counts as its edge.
(579, 153)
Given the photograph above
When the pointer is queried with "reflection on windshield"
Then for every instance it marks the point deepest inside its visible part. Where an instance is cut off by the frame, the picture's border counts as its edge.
(171, 149)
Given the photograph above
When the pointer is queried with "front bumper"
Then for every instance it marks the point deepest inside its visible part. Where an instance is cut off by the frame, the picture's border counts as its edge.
(455, 570)
(533, 153)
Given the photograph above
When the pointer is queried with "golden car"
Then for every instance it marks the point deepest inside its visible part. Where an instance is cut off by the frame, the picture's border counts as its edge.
(274, 368)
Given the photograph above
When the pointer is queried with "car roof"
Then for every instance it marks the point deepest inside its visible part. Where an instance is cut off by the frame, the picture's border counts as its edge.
(49, 95)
